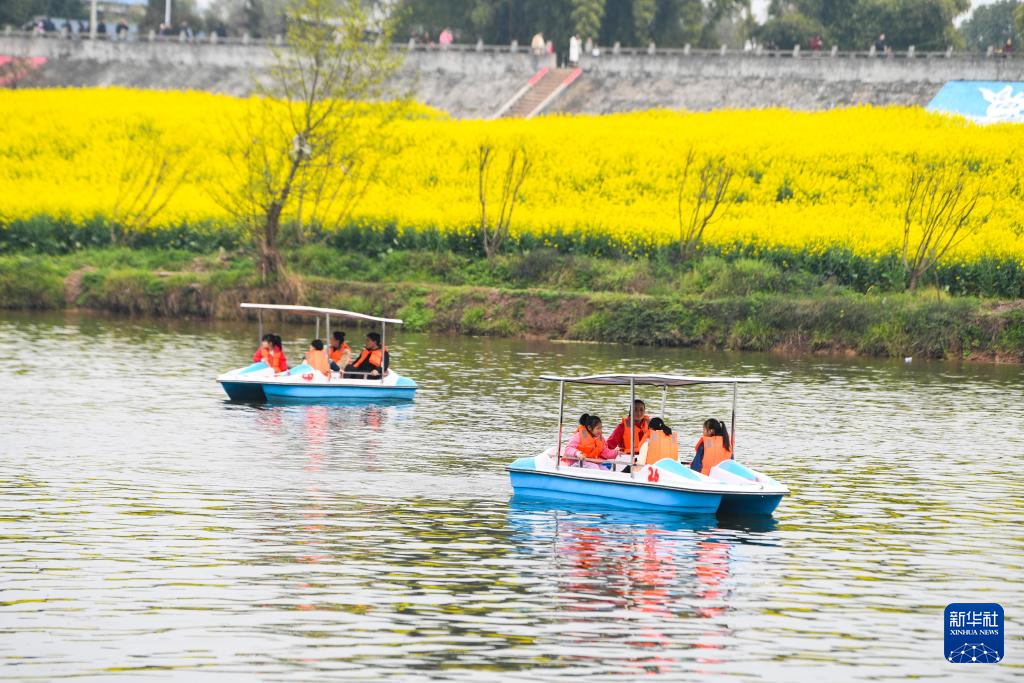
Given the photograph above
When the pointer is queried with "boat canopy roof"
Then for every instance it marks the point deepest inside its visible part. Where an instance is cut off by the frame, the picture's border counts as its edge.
(313, 310)
(649, 379)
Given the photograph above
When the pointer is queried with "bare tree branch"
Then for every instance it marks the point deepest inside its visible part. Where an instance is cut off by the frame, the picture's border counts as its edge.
(713, 183)
(939, 214)
(310, 137)
(151, 171)
(494, 232)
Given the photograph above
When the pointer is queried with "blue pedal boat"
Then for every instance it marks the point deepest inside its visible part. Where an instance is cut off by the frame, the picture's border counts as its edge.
(258, 383)
(731, 489)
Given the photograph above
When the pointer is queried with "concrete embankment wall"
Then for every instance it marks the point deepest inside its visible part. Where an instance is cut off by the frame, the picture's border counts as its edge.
(463, 82)
(812, 82)
(471, 83)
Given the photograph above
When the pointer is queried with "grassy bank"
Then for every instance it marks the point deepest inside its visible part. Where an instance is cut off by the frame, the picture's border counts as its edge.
(738, 304)
(989, 276)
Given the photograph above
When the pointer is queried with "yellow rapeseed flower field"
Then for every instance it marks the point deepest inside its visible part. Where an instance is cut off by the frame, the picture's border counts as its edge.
(804, 180)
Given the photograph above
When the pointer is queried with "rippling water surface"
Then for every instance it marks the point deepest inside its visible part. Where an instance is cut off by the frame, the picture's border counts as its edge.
(150, 528)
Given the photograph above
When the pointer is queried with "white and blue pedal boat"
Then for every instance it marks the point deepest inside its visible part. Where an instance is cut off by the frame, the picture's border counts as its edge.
(730, 489)
(258, 383)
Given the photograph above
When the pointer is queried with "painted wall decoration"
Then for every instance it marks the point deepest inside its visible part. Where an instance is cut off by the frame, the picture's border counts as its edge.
(981, 101)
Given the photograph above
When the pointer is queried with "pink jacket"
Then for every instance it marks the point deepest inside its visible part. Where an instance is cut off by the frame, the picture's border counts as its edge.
(572, 449)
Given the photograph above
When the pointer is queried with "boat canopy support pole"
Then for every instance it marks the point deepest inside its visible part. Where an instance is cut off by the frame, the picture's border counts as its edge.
(383, 343)
(561, 416)
(327, 334)
(259, 315)
(633, 446)
(732, 426)
(317, 328)
(664, 400)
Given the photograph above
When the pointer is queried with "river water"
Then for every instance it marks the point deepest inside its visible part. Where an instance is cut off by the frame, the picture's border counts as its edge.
(151, 529)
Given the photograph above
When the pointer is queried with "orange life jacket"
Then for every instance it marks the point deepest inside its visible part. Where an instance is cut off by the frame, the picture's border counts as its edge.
(276, 360)
(336, 354)
(714, 453)
(318, 361)
(376, 357)
(643, 432)
(661, 446)
(590, 446)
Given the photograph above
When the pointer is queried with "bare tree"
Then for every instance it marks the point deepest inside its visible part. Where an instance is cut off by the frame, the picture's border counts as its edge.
(311, 130)
(494, 230)
(151, 171)
(939, 213)
(696, 213)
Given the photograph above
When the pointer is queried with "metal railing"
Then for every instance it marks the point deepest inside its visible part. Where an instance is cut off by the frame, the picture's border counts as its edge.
(614, 462)
(595, 53)
(798, 53)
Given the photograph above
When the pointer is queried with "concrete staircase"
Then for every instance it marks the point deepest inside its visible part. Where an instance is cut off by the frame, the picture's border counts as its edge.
(541, 90)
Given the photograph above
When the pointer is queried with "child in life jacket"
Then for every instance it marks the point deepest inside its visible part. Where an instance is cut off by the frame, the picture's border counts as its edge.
(271, 353)
(317, 358)
(588, 442)
(277, 359)
(712, 448)
(265, 347)
(341, 353)
(661, 444)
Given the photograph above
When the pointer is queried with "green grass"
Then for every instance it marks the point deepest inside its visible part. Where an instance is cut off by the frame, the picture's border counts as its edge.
(744, 304)
(578, 260)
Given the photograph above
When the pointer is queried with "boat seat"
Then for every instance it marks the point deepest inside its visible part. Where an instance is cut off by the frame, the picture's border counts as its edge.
(673, 466)
(732, 471)
(255, 367)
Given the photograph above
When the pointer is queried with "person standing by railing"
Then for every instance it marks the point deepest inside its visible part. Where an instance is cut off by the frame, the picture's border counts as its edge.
(880, 45)
(537, 44)
(575, 47)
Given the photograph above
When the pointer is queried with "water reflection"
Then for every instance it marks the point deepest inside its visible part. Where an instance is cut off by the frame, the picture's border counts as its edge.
(650, 570)
(148, 525)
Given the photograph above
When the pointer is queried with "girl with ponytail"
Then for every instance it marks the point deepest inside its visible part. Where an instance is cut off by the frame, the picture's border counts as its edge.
(587, 444)
(712, 448)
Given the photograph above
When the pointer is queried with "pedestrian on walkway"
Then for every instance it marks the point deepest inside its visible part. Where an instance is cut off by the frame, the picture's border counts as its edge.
(575, 46)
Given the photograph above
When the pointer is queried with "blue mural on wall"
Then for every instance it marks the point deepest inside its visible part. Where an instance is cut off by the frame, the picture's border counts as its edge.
(981, 101)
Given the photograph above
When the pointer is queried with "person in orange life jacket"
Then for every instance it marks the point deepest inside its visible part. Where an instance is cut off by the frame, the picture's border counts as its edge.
(271, 353)
(621, 439)
(588, 442)
(714, 447)
(341, 354)
(317, 358)
(661, 444)
(278, 361)
(372, 362)
(263, 352)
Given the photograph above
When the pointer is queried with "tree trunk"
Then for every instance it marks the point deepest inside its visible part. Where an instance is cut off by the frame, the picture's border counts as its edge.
(271, 263)
(914, 275)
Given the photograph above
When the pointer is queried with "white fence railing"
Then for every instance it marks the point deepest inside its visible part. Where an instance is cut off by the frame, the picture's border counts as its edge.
(596, 52)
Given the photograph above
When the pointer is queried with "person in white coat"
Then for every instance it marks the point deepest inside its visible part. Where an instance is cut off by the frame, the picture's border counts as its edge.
(575, 46)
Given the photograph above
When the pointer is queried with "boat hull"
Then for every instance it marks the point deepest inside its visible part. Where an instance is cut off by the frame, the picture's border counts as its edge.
(734, 491)
(301, 384)
(298, 393)
(610, 493)
(748, 505)
(244, 391)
